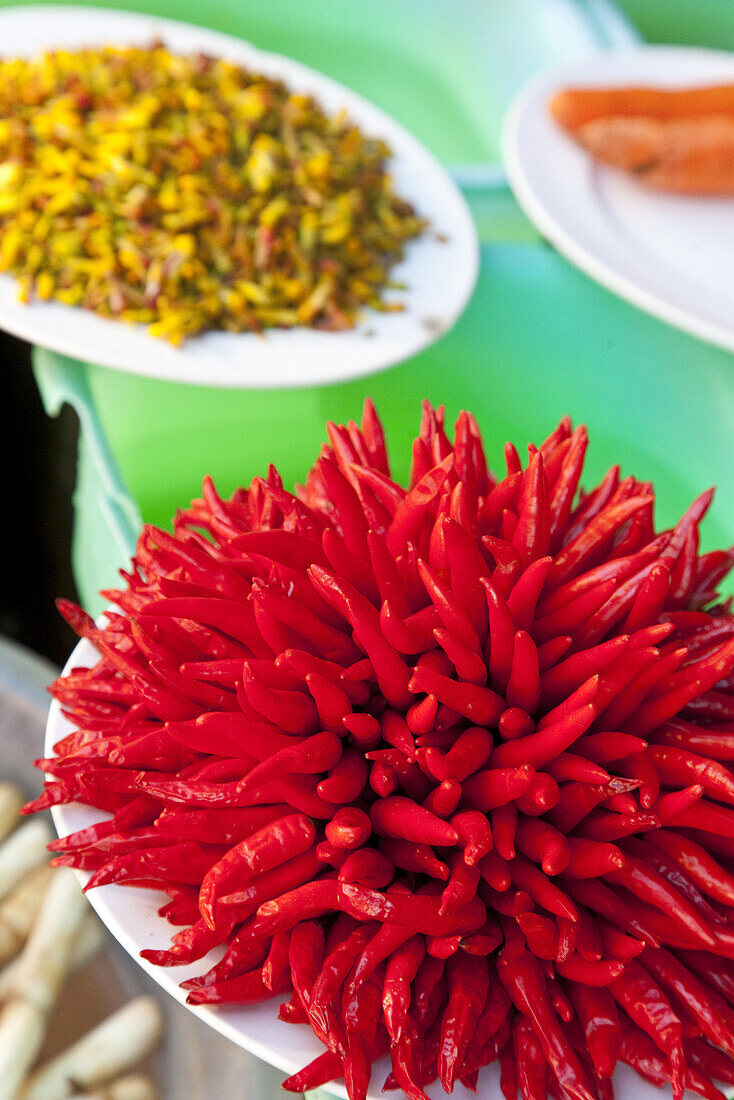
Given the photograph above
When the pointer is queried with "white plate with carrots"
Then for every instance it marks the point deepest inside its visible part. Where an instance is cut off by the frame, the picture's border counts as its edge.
(654, 219)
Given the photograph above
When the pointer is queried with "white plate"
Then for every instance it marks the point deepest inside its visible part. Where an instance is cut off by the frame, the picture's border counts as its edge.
(440, 275)
(130, 915)
(670, 255)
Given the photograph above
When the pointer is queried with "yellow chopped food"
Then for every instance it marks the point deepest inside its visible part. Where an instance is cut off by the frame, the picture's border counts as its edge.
(188, 193)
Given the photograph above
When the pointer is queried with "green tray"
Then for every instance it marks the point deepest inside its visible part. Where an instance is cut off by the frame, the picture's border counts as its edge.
(538, 340)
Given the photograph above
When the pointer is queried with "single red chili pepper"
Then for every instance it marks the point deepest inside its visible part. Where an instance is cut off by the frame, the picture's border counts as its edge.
(541, 934)
(531, 1064)
(418, 912)
(188, 946)
(367, 867)
(591, 858)
(475, 834)
(515, 722)
(314, 754)
(538, 748)
(541, 796)
(245, 990)
(480, 705)
(400, 817)
(669, 807)
(225, 826)
(326, 1067)
(468, 988)
(275, 967)
(599, 1018)
(349, 828)
(186, 862)
(501, 634)
(401, 970)
(305, 958)
(648, 1007)
(543, 844)
(696, 862)
(524, 981)
(605, 827)
(409, 856)
(504, 826)
(462, 884)
(496, 787)
(496, 871)
(270, 884)
(270, 847)
(599, 973)
(568, 766)
(714, 744)
(526, 876)
(444, 798)
(619, 945)
(470, 751)
(711, 1013)
(649, 886)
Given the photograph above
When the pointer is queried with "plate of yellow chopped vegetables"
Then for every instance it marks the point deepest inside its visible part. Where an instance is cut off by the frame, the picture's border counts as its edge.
(178, 203)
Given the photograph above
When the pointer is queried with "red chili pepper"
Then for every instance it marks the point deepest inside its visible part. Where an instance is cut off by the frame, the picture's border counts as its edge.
(538, 748)
(400, 817)
(495, 787)
(544, 845)
(599, 1018)
(367, 867)
(710, 1011)
(401, 970)
(646, 1004)
(468, 988)
(270, 847)
(524, 981)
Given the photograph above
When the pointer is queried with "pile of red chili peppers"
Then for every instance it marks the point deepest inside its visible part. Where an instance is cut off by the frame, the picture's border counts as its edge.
(448, 765)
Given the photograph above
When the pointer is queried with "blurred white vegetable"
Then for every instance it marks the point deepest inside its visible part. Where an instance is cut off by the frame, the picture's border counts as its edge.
(18, 911)
(110, 1049)
(22, 1030)
(135, 1087)
(47, 954)
(22, 852)
(11, 800)
(86, 945)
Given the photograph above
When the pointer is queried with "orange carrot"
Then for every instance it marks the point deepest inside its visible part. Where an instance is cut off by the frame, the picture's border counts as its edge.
(572, 107)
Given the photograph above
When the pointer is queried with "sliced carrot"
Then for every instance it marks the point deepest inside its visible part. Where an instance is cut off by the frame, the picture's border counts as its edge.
(572, 107)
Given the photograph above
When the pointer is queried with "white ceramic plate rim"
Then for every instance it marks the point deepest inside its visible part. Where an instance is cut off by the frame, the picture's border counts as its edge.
(585, 237)
(440, 275)
(130, 915)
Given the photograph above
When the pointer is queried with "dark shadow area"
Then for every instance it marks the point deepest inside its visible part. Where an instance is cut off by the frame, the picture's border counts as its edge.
(38, 460)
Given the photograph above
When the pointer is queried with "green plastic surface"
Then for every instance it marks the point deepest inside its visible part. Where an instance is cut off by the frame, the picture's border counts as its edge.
(538, 340)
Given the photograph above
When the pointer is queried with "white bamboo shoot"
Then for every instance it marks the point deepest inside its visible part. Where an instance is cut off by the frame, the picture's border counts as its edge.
(11, 800)
(22, 852)
(135, 1087)
(22, 1031)
(18, 912)
(110, 1049)
(46, 957)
